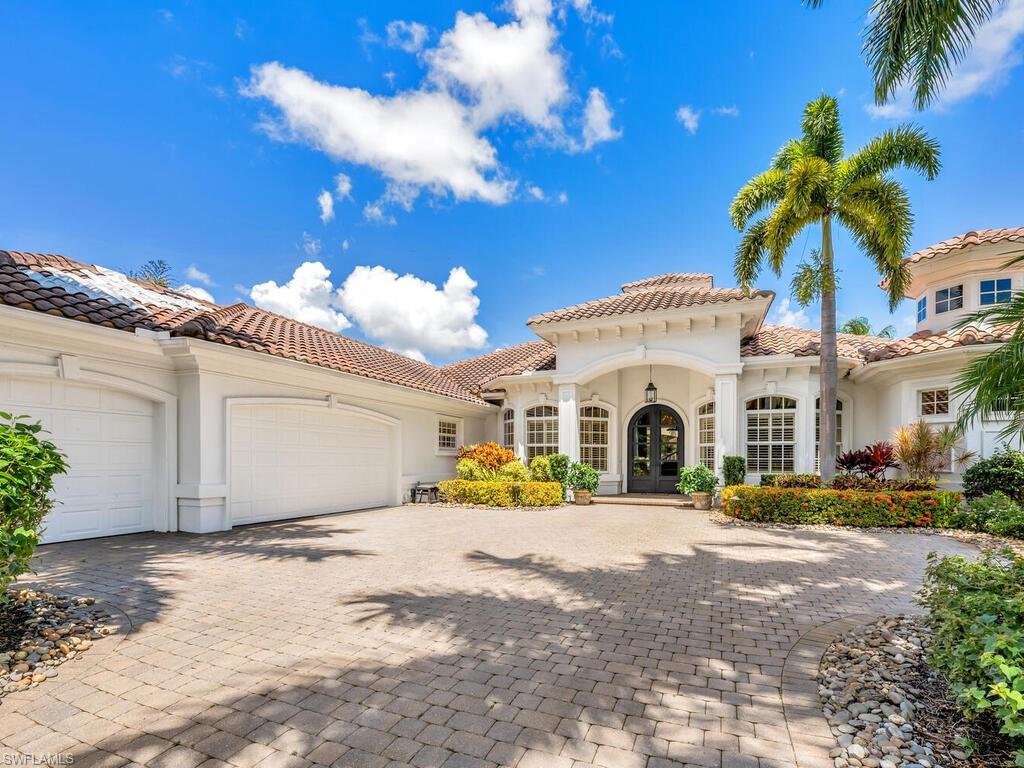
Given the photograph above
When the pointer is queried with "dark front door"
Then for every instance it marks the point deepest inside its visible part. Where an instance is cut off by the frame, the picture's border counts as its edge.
(655, 450)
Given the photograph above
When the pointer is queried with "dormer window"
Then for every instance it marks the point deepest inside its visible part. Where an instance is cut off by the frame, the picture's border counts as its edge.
(922, 308)
(948, 299)
(995, 291)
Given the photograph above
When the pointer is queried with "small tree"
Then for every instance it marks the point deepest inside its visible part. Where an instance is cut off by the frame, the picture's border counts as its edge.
(923, 451)
(28, 464)
(734, 469)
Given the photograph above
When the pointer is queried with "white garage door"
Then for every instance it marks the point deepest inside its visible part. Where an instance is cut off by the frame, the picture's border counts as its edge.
(290, 461)
(108, 438)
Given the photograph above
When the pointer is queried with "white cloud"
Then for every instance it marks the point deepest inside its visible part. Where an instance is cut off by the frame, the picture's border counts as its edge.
(375, 213)
(196, 275)
(345, 245)
(536, 192)
(310, 244)
(732, 111)
(432, 139)
(412, 316)
(407, 35)
(789, 315)
(326, 203)
(196, 292)
(597, 125)
(242, 29)
(563, 198)
(689, 117)
(419, 138)
(343, 186)
(995, 52)
(308, 297)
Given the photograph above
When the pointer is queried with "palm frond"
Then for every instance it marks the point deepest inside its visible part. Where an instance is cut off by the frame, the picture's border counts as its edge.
(788, 154)
(763, 190)
(992, 387)
(886, 203)
(781, 229)
(750, 254)
(807, 186)
(822, 132)
(866, 232)
(807, 282)
(920, 42)
(905, 147)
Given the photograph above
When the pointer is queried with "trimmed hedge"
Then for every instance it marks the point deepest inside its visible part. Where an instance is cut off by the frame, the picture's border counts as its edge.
(798, 506)
(501, 494)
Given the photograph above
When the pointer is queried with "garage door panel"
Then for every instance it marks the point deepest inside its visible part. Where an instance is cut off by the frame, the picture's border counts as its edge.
(299, 461)
(107, 437)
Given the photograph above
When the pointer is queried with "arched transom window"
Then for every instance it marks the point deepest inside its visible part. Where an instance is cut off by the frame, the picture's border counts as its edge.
(594, 437)
(541, 431)
(706, 435)
(508, 428)
(771, 434)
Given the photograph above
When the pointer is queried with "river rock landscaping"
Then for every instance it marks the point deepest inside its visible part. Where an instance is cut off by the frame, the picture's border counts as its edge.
(40, 631)
(888, 709)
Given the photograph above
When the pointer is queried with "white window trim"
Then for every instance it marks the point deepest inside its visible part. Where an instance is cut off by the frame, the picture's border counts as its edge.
(845, 443)
(796, 428)
(526, 426)
(438, 450)
(697, 444)
(501, 427)
(995, 277)
(610, 445)
(933, 417)
(963, 299)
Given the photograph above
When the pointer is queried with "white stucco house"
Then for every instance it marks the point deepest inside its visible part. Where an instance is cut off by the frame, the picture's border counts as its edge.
(178, 414)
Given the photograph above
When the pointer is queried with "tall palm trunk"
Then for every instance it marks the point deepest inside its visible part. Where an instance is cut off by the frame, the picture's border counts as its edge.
(828, 355)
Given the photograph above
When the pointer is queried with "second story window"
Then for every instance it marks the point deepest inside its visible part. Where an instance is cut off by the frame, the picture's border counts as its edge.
(922, 308)
(995, 291)
(934, 402)
(949, 299)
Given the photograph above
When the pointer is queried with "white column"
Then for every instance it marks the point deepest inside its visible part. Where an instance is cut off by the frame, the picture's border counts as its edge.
(519, 426)
(726, 418)
(568, 420)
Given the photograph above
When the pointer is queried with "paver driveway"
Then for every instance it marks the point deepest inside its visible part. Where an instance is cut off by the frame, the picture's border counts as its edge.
(618, 636)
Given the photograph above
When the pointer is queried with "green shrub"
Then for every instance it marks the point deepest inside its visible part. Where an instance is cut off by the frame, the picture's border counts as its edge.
(467, 469)
(501, 494)
(470, 469)
(28, 464)
(797, 481)
(977, 513)
(911, 484)
(559, 464)
(1003, 471)
(734, 469)
(540, 470)
(856, 483)
(583, 477)
(1007, 516)
(816, 506)
(976, 611)
(513, 472)
(696, 479)
(768, 481)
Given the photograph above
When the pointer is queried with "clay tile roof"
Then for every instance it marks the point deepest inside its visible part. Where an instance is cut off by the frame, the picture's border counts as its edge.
(647, 300)
(61, 286)
(476, 372)
(928, 341)
(966, 240)
(803, 342)
(670, 279)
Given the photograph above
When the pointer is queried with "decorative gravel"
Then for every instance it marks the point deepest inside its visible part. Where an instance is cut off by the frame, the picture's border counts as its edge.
(40, 631)
(889, 709)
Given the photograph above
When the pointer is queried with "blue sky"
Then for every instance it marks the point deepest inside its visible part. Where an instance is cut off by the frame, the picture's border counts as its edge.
(203, 134)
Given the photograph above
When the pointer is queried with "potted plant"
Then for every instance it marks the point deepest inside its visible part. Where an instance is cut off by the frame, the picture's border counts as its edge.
(583, 479)
(698, 482)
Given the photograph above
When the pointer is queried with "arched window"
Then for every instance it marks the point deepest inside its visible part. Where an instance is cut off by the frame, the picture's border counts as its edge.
(771, 434)
(817, 431)
(508, 428)
(541, 431)
(706, 435)
(594, 437)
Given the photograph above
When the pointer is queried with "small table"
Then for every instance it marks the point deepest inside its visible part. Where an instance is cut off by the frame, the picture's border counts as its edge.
(424, 492)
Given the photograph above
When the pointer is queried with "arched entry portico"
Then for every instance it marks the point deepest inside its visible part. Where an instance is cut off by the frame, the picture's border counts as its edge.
(655, 441)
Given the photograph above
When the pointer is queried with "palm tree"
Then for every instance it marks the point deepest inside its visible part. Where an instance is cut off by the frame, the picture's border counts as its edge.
(919, 43)
(810, 183)
(861, 326)
(993, 385)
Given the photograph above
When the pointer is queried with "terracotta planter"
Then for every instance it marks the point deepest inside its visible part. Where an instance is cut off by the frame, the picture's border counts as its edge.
(701, 500)
(581, 497)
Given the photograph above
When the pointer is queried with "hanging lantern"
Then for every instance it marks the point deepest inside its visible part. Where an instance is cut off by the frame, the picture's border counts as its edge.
(651, 391)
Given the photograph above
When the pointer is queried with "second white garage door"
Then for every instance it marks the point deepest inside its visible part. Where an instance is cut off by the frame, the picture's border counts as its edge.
(294, 461)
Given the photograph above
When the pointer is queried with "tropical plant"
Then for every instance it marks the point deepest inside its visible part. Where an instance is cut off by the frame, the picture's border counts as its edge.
(540, 469)
(28, 464)
(872, 462)
(992, 386)
(155, 271)
(696, 479)
(583, 477)
(810, 183)
(734, 469)
(559, 464)
(489, 455)
(917, 44)
(1003, 471)
(924, 451)
(861, 326)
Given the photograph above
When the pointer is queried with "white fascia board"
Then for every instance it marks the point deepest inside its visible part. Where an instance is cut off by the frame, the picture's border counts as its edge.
(869, 370)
